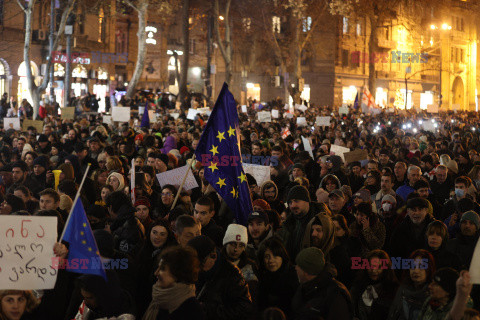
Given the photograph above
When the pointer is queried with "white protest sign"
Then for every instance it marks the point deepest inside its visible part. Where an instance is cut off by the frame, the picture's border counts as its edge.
(152, 116)
(288, 115)
(259, 172)
(429, 126)
(301, 107)
(192, 113)
(141, 110)
(287, 106)
(475, 265)
(206, 111)
(264, 116)
(175, 115)
(323, 121)
(244, 109)
(339, 151)
(175, 177)
(26, 248)
(11, 123)
(343, 110)
(375, 111)
(275, 114)
(432, 108)
(307, 147)
(108, 120)
(121, 114)
(301, 121)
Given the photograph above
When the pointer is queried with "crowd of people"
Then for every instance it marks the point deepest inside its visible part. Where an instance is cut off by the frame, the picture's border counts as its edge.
(390, 236)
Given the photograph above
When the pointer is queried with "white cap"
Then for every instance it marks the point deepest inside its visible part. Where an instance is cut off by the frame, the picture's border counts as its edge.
(236, 233)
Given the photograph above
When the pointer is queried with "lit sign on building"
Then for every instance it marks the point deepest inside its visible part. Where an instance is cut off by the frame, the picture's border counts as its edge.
(151, 31)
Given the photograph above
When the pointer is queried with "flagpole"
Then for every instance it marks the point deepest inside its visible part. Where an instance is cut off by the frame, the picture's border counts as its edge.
(74, 202)
(183, 182)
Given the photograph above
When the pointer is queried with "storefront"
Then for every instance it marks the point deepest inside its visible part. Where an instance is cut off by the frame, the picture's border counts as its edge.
(79, 81)
(100, 87)
(253, 91)
(348, 94)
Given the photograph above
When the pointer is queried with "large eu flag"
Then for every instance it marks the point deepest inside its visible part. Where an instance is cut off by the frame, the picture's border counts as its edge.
(219, 152)
(83, 247)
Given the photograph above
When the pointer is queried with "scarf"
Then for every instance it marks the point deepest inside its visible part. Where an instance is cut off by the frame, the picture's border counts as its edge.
(168, 299)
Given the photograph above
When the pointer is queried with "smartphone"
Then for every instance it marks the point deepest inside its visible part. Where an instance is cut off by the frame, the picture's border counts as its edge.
(295, 146)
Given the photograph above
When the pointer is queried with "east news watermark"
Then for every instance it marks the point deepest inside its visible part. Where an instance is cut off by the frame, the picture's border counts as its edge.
(398, 263)
(395, 56)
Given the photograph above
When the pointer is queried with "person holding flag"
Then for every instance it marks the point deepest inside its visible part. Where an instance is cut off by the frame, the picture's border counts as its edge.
(219, 152)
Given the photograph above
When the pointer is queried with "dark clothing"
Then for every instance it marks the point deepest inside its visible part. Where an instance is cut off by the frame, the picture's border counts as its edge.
(451, 206)
(408, 303)
(463, 246)
(444, 258)
(405, 239)
(214, 232)
(276, 289)
(378, 310)
(322, 298)
(441, 191)
(31, 184)
(224, 293)
(189, 309)
(127, 232)
(356, 182)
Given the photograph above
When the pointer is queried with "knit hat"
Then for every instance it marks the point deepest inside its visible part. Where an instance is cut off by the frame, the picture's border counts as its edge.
(337, 193)
(236, 233)
(389, 198)
(184, 149)
(311, 260)
(120, 178)
(298, 193)
(262, 204)
(42, 138)
(203, 245)
(446, 278)
(142, 201)
(417, 203)
(347, 190)
(105, 243)
(15, 202)
(259, 215)
(298, 166)
(363, 194)
(41, 161)
(163, 157)
(471, 216)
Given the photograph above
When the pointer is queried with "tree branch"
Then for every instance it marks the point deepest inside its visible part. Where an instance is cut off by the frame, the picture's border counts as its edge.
(217, 30)
(21, 6)
(130, 4)
(277, 49)
(313, 26)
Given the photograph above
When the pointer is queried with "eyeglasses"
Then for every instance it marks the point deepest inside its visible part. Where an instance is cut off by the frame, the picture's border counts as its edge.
(166, 194)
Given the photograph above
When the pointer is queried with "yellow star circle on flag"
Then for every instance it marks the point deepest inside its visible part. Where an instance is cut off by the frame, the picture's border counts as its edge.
(84, 242)
(214, 150)
(82, 233)
(84, 225)
(221, 135)
(221, 182)
(89, 249)
(242, 177)
(213, 166)
(234, 193)
(231, 132)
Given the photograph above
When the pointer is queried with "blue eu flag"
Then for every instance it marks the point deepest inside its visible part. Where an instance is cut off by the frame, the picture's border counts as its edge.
(83, 247)
(145, 118)
(219, 152)
(355, 104)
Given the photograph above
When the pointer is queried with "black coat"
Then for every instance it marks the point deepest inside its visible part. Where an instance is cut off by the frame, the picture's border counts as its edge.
(404, 241)
(463, 246)
(224, 293)
(214, 232)
(127, 232)
(444, 258)
(276, 289)
(322, 298)
(189, 309)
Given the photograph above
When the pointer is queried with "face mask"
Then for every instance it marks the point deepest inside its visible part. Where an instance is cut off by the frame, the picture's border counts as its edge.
(386, 206)
(459, 192)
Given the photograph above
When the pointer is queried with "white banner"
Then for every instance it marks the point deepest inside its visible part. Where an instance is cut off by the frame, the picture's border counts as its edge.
(26, 252)
(121, 114)
(175, 177)
(323, 121)
(301, 121)
(260, 173)
(264, 116)
(11, 123)
(339, 151)
(275, 114)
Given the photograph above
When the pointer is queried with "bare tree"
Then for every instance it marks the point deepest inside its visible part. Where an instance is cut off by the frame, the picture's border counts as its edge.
(182, 90)
(225, 45)
(36, 91)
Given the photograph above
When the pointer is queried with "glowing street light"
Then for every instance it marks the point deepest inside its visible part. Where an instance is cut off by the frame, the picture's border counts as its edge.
(433, 27)
(221, 18)
(445, 26)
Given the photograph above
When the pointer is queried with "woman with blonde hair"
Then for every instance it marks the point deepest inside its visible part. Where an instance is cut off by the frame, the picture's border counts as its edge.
(114, 164)
(16, 304)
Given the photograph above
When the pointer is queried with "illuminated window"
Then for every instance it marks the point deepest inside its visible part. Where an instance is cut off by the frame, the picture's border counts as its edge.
(79, 72)
(359, 29)
(409, 97)
(345, 25)
(381, 97)
(307, 24)
(58, 70)
(102, 74)
(276, 24)
(349, 94)
(101, 26)
(246, 23)
(426, 99)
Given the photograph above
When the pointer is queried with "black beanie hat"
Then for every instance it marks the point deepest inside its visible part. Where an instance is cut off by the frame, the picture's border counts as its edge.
(105, 243)
(41, 161)
(298, 166)
(15, 202)
(203, 245)
(446, 278)
(298, 193)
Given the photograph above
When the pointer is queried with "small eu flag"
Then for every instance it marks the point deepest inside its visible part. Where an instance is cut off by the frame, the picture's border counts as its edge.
(82, 243)
(219, 152)
(355, 104)
(145, 118)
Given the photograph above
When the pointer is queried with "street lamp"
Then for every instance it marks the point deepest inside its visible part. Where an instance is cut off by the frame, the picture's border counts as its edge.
(445, 27)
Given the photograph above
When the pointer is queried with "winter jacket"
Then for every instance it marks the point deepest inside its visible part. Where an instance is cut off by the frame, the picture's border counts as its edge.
(408, 303)
(214, 232)
(322, 298)
(463, 247)
(427, 313)
(127, 231)
(252, 249)
(276, 289)
(404, 240)
(224, 294)
(170, 143)
(189, 309)
(367, 239)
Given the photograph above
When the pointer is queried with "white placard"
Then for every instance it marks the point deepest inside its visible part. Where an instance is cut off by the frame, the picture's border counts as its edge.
(429, 126)
(259, 172)
(121, 114)
(307, 146)
(11, 123)
(264, 116)
(206, 111)
(175, 115)
(343, 110)
(152, 116)
(288, 115)
(475, 265)
(108, 120)
(301, 121)
(192, 113)
(287, 106)
(301, 107)
(175, 177)
(432, 108)
(375, 111)
(275, 114)
(323, 121)
(244, 109)
(339, 151)
(141, 110)
(27, 252)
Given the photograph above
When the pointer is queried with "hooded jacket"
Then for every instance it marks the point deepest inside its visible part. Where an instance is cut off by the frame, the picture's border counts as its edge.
(328, 238)
(276, 204)
(170, 143)
(322, 184)
(127, 231)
